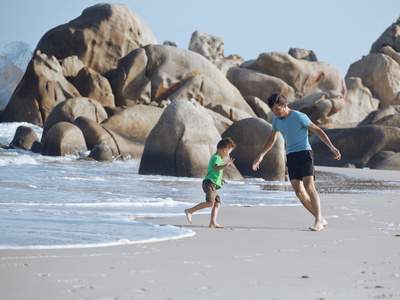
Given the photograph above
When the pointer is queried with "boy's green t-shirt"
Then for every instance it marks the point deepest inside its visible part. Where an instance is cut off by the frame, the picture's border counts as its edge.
(214, 176)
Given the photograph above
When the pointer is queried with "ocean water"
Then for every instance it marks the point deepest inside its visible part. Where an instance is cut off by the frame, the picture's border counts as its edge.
(67, 202)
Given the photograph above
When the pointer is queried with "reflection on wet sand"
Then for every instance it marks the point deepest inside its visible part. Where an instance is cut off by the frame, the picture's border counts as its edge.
(331, 183)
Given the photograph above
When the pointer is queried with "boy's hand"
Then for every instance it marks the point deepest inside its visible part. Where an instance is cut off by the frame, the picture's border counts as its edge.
(230, 163)
(223, 182)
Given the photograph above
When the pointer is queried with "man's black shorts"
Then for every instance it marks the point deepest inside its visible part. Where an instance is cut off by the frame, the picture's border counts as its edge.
(300, 164)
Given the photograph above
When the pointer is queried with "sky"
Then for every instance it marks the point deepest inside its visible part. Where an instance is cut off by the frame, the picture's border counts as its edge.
(340, 32)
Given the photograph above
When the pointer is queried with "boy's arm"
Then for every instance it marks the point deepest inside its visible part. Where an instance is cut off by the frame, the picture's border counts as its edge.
(322, 135)
(268, 145)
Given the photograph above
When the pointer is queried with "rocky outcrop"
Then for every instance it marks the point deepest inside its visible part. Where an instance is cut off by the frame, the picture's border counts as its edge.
(378, 116)
(253, 83)
(303, 54)
(92, 85)
(357, 145)
(212, 48)
(359, 103)
(320, 106)
(42, 87)
(181, 143)
(159, 72)
(381, 75)
(390, 37)
(250, 136)
(260, 108)
(102, 35)
(305, 77)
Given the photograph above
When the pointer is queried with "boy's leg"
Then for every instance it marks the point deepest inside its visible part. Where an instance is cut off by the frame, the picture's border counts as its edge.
(214, 214)
(199, 206)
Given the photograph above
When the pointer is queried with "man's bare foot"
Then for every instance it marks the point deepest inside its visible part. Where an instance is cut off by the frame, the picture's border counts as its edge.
(188, 216)
(215, 226)
(324, 222)
(319, 225)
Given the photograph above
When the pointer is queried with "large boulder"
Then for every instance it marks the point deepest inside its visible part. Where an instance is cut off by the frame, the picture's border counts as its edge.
(390, 37)
(227, 111)
(305, 77)
(42, 87)
(212, 48)
(320, 106)
(24, 138)
(250, 136)
(63, 139)
(303, 54)
(181, 143)
(168, 73)
(101, 153)
(100, 36)
(73, 108)
(377, 116)
(92, 85)
(359, 103)
(253, 83)
(134, 123)
(222, 123)
(381, 75)
(260, 108)
(357, 145)
(97, 134)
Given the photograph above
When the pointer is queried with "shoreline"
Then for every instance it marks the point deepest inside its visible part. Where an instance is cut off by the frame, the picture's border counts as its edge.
(264, 253)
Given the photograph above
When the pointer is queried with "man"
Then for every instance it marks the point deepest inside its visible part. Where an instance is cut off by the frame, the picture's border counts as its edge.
(294, 126)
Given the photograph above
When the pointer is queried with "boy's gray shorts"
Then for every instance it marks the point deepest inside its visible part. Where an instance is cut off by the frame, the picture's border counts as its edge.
(210, 189)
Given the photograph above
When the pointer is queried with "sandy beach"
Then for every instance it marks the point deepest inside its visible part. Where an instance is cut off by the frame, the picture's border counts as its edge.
(264, 253)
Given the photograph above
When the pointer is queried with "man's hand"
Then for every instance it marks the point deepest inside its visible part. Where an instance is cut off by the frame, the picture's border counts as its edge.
(256, 163)
(336, 152)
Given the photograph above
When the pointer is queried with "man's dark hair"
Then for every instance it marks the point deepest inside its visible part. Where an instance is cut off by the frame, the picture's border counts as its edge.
(276, 98)
(226, 143)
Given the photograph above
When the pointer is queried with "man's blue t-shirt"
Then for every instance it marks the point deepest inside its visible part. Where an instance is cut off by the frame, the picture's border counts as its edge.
(294, 131)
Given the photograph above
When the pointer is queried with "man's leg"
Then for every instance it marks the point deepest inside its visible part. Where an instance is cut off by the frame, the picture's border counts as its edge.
(309, 197)
(309, 186)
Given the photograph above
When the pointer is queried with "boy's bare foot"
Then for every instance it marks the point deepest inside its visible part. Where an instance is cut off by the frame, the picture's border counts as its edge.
(324, 222)
(216, 226)
(188, 216)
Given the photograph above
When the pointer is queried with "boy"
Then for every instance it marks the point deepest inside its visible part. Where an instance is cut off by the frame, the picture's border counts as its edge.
(213, 181)
(294, 127)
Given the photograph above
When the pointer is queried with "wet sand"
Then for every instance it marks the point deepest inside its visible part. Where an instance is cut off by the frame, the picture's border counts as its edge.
(264, 253)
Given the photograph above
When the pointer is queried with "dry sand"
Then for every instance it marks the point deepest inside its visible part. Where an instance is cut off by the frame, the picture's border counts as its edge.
(264, 253)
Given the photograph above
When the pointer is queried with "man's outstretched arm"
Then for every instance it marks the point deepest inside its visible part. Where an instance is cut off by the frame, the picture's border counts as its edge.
(322, 135)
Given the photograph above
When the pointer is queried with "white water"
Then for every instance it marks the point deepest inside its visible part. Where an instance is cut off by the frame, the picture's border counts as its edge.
(61, 202)
(50, 202)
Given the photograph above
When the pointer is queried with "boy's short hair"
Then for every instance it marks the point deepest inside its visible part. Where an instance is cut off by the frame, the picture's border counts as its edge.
(276, 98)
(226, 143)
